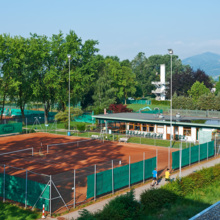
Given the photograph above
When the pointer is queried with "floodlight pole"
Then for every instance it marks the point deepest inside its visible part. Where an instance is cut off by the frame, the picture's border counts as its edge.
(69, 56)
(171, 130)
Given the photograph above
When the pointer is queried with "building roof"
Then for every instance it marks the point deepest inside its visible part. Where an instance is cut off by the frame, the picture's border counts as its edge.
(161, 119)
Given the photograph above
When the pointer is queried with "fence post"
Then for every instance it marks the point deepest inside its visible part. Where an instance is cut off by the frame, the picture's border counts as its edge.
(190, 155)
(26, 189)
(199, 153)
(143, 166)
(112, 177)
(4, 186)
(207, 150)
(74, 202)
(95, 182)
(180, 165)
(129, 171)
(50, 195)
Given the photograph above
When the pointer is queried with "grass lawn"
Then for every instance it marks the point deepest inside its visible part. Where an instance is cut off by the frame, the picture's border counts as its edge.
(112, 137)
(136, 107)
(190, 205)
(12, 212)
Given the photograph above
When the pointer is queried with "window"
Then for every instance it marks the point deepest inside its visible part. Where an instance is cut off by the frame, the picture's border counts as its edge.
(131, 126)
(144, 127)
(151, 128)
(160, 129)
(186, 131)
(137, 126)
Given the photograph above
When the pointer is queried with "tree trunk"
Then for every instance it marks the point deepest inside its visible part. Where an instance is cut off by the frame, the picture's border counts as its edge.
(46, 111)
(22, 113)
(3, 105)
(125, 95)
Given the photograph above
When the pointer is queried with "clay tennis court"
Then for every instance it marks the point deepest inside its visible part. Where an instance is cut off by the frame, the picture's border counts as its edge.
(60, 161)
(70, 156)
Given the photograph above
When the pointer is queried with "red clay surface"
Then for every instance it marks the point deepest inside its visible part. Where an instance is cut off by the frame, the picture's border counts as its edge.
(70, 156)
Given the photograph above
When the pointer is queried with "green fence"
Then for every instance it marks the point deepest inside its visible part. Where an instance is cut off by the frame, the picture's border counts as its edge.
(10, 128)
(14, 188)
(121, 178)
(147, 102)
(85, 117)
(156, 111)
(193, 154)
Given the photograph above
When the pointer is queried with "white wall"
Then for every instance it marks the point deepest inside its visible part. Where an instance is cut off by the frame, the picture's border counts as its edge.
(180, 130)
(165, 132)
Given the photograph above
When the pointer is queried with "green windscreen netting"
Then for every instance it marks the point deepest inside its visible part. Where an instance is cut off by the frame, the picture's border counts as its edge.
(14, 189)
(10, 128)
(193, 154)
(120, 175)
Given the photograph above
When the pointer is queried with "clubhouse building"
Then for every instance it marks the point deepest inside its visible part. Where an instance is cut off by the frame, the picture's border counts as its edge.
(190, 129)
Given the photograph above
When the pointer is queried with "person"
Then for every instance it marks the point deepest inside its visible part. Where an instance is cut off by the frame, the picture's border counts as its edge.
(167, 175)
(154, 177)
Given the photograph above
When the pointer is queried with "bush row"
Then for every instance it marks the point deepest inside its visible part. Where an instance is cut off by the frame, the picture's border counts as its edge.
(152, 201)
(156, 102)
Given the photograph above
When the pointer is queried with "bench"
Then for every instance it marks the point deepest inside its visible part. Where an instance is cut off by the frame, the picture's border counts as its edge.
(123, 139)
(95, 136)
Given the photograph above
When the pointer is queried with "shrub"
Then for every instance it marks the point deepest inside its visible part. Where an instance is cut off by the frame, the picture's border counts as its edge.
(120, 208)
(64, 116)
(24, 131)
(117, 108)
(157, 198)
(85, 215)
(156, 102)
(81, 127)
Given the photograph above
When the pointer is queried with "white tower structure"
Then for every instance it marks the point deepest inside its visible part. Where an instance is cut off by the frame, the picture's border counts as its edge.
(160, 86)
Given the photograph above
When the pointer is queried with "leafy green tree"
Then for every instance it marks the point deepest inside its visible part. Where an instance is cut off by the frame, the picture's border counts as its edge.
(63, 116)
(197, 90)
(217, 102)
(147, 70)
(139, 68)
(127, 83)
(104, 94)
(206, 101)
(182, 102)
(6, 82)
(16, 66)
(217, 86)
(183, 79)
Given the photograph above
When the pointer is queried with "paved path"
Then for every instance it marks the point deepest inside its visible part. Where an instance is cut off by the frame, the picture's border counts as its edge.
(100, 204)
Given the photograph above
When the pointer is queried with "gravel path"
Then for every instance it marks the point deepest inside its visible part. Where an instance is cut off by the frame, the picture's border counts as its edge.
(211, 213)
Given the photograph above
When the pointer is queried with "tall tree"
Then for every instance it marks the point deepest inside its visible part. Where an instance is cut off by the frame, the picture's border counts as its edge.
(197, 90)
(6, 82)
(139, 68)
(127, 83)
(18, 61)
(217, 86)
(206, 102)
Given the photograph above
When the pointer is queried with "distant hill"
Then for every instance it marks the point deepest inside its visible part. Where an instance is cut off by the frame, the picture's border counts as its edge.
(208, 62)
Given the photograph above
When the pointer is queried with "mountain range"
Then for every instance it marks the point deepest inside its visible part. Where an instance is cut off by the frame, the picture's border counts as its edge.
(208, 62)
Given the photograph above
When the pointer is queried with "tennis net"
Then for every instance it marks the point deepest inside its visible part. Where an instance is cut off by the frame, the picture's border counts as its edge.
(23, 153)
(68, 144)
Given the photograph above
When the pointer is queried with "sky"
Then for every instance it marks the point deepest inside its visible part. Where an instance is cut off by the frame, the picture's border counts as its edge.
(123, 28)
